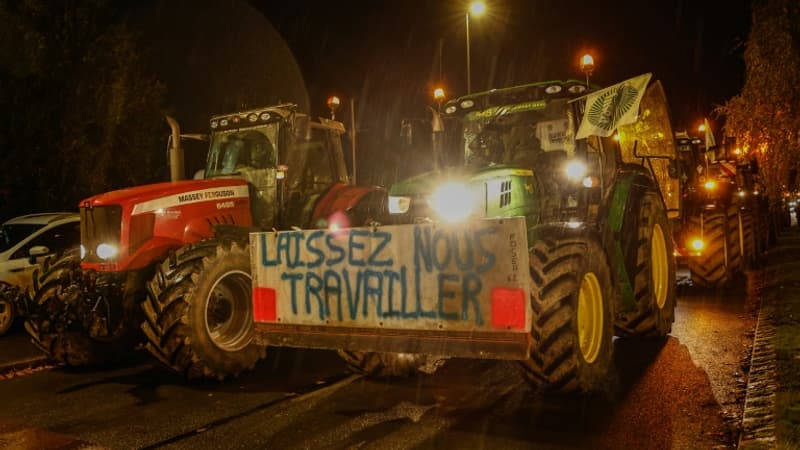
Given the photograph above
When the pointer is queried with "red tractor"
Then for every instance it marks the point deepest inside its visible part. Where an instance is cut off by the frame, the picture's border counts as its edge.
(144, 249)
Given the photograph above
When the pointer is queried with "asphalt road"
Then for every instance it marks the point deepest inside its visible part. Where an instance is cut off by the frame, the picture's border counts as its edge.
(685, 392)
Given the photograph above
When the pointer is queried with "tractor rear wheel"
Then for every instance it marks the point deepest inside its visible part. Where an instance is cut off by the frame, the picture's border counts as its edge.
(654, 276)
(572, 326)
(72, 322)
(383, 364)
(749, 247)
(199, 313)
(735, 258)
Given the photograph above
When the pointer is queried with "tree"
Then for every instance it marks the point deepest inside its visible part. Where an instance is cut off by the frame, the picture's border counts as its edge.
(765, 116)
(84, 110)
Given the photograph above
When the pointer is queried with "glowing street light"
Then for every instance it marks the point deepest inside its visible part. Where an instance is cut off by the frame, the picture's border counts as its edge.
(702, 128)
(587, 66)
(438, 95)
(333, 104)
(477, 9)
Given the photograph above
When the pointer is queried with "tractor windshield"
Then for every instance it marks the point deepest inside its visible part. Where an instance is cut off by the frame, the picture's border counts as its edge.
(516, 134)
(242, 149)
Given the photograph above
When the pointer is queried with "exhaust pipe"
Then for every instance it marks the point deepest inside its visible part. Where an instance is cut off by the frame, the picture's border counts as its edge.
(176, 167)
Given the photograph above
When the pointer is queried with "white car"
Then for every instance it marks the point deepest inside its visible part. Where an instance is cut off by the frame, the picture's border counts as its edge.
(24, 242)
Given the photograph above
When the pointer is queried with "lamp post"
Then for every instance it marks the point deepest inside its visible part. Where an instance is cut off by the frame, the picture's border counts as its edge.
(476, 8)
(587, 66)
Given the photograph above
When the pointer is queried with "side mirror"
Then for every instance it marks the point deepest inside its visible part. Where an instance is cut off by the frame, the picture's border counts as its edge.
(37, 251)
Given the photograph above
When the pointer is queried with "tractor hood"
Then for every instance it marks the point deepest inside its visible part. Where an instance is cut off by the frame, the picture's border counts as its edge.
(178, 189)
(427, 182)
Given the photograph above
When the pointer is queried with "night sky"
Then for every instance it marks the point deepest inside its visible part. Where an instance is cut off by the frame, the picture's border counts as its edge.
(386, 53)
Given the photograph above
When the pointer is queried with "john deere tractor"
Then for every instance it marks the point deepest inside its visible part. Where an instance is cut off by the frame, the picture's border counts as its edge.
(144, 250)
(532, 244)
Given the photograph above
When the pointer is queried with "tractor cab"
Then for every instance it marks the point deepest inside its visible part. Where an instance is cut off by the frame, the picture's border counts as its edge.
(283, 155)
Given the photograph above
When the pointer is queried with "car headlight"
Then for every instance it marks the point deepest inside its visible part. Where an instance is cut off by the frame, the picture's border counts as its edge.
(453, 201)
(106, 251)
(398, 204)
(575, 170)
(83, 251)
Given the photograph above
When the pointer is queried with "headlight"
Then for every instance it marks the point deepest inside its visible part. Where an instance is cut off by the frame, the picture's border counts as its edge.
(697, 244)
(575, 170)
(710, 185)
(106, 251)
(399, 205)
(453, 201)
(83, 251)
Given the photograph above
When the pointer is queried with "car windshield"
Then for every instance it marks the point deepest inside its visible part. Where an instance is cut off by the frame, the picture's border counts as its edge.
(252, 148)
(11, 235)
(517, 133)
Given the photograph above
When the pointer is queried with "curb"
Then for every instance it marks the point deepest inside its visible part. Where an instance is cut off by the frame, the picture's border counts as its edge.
(758, 416)
(28, 363)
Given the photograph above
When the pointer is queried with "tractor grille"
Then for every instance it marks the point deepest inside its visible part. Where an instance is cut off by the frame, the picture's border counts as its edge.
(101, 224)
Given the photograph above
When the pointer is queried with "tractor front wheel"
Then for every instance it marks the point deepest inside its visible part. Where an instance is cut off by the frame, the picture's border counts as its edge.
(199, 313)
(572, 326)
(74, 323)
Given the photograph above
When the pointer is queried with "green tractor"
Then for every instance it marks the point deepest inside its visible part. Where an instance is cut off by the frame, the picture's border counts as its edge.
(531, 243)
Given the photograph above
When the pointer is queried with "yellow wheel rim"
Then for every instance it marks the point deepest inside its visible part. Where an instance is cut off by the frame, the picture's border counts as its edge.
(590, 317)
(659, 265)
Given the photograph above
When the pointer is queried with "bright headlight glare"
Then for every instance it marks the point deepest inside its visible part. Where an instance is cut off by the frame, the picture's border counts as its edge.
(453, 201)
(575, 170)
(710, 185)
(83, 251)
(697, 244)
(106, 251)
(398, 204)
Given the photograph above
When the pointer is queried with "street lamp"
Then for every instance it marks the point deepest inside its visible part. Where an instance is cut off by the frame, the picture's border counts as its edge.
(438, 95)
(333, 104)
(477, 9)
(587, 66)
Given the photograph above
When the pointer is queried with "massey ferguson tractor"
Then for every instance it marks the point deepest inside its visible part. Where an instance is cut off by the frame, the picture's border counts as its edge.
(724, 224)
(539, 245)
(145, 251)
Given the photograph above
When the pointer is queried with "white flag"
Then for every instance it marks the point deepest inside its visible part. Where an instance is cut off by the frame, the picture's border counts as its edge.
(613, 106)
(710, 142)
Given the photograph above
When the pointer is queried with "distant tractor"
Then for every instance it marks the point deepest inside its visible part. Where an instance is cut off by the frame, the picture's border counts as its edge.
(724, 224)
(534, 246)
(144, 256)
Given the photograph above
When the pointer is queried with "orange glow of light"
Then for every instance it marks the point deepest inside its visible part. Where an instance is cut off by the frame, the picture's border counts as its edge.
(438, 93)
(587, 62)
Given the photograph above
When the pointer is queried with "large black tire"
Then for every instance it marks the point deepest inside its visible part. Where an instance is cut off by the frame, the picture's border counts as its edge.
(199, 314)
(8, 295)
(735, 257)
(714, 266)
(62, 323)
(383, 364)
(572, 330)
(749, 244)
(654, 276)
